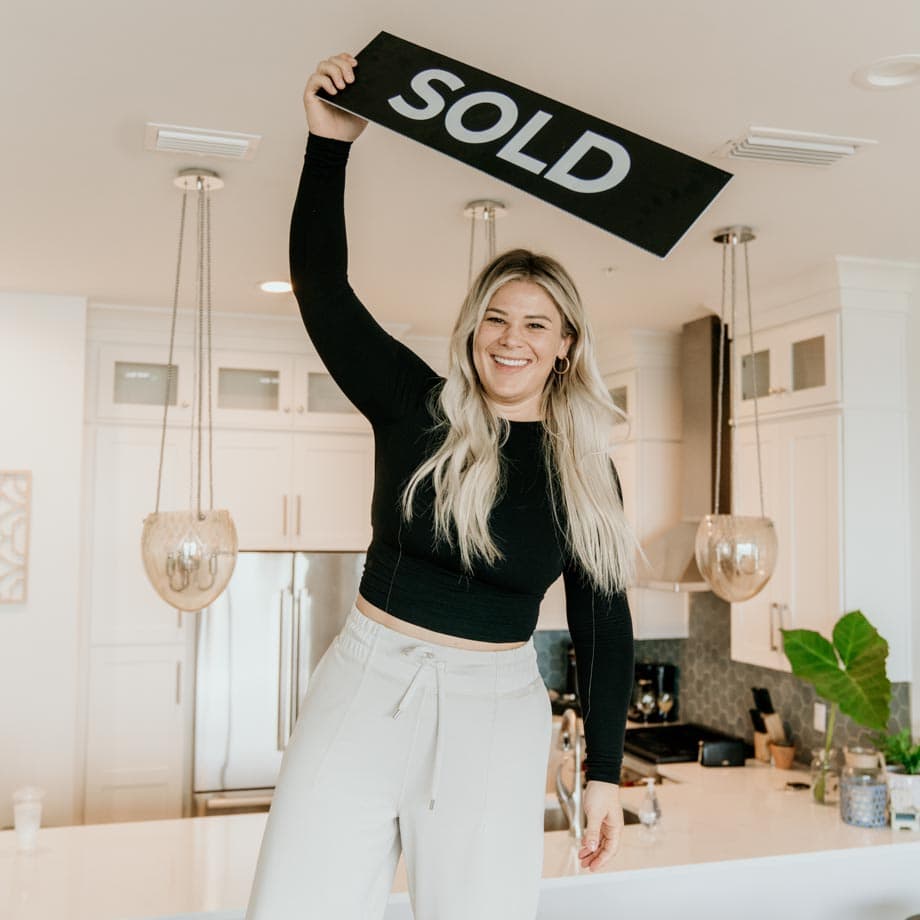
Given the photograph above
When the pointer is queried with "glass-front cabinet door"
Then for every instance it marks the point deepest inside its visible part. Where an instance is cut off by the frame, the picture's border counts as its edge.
(252, 389)
(791, 367)
(319, 402)
(132, 383)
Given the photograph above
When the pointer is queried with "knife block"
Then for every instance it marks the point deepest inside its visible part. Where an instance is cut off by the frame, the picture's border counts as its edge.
(762, 746)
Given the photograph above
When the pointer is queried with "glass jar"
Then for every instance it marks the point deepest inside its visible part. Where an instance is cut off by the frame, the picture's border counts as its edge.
(864, 788)
(825, 775)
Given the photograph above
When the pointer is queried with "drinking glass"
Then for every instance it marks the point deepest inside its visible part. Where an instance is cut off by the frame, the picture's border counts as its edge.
(647, 701)
(27, 815)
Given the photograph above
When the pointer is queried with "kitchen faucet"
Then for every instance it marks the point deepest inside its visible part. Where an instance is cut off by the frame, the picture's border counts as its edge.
(571, 802)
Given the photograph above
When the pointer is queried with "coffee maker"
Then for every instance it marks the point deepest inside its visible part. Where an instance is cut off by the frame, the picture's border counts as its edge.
(654, 693)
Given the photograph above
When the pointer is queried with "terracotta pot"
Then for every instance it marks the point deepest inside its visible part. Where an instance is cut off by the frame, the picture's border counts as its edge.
(783, 755)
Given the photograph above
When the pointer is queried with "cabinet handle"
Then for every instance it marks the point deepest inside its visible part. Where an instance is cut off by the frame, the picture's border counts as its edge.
(284, 515)
(773, 647)
(185, 405)
(776, 391)
(301, 410)
(298, 515)
(178, 683)
(287, 410)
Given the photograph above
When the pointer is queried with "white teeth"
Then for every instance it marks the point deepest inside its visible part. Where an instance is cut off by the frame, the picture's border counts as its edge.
(509, 362)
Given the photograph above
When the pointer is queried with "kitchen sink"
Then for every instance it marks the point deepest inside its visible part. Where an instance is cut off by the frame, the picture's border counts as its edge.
(554, 817)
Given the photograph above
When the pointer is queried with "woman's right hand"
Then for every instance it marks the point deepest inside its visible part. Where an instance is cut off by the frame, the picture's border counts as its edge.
(326, 120)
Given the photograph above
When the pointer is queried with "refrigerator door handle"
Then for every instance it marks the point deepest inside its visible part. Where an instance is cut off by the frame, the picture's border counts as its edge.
(279, 740)
(295, 662)
(284, 685)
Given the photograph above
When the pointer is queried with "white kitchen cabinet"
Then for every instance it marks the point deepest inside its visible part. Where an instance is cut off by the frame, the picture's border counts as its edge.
(131, 383)
(646, 451)
(801, 480)
(319, 403)
(793, 366)
(333, 484)
(124, 607)
(303, 490)
(836, 468)
(254, 390)
(252, 479)
(139, 699)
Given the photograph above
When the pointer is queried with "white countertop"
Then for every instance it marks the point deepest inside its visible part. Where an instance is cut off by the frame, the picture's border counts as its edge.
(152, 868)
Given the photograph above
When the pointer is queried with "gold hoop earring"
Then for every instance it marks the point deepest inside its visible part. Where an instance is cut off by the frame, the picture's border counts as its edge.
(568, 364)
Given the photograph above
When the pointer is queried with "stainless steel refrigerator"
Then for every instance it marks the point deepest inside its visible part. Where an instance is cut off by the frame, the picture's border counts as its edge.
(257, 645)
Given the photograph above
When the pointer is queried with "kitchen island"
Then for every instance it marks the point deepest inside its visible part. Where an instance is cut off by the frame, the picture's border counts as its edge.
(733, 842)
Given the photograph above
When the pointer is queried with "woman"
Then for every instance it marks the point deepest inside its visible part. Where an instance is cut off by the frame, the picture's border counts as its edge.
(425, 727)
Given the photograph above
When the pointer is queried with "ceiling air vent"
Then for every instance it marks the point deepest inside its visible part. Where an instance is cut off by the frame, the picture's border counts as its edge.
(201, 141)
(778, 144)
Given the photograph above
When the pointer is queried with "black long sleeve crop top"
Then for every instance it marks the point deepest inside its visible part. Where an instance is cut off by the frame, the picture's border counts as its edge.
(406, 572)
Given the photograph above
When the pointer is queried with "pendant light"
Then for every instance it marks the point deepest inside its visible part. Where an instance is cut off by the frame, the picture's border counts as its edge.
(189, 555)
(483, 213)
(735, 554)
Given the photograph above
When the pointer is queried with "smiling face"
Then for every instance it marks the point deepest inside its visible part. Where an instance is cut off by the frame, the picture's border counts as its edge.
(515, 345)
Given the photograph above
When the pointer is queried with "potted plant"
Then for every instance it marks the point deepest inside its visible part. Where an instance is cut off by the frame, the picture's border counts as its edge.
(903, 760)
(899, 752)
(848, 672)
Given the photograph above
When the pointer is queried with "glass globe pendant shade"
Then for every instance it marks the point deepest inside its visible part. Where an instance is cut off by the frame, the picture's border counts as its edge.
(188, 557)
(736, 555)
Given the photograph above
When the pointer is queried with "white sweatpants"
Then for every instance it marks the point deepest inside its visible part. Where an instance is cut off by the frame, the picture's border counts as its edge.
(455, 782)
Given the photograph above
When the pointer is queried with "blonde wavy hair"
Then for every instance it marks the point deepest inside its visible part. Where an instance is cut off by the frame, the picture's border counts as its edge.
(577, 413)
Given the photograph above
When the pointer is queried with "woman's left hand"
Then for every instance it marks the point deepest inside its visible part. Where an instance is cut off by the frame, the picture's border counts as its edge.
(604, 818)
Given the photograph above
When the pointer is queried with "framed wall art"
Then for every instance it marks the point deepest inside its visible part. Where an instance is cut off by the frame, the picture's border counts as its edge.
(15, 508)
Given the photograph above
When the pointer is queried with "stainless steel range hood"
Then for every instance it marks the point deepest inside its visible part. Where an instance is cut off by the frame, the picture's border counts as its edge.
(670, 559)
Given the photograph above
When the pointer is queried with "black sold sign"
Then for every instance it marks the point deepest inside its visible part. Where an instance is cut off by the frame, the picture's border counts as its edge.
(626, 184)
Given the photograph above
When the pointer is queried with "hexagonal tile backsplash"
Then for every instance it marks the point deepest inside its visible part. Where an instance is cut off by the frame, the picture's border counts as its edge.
(716, 691)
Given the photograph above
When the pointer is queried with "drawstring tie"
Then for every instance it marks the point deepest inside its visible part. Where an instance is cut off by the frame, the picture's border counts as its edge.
(427, 659)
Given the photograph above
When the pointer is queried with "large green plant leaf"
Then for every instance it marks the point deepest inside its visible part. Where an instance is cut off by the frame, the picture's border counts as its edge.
(859, 686)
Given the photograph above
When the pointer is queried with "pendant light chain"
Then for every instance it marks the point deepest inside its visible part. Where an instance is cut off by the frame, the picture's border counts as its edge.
(170, 366)
(488, 212)
(733, 348)
(200, 356)
(469, 273)
(721, 387)
(735, 550)
(210, 379)
(189, 555)
(747, 280)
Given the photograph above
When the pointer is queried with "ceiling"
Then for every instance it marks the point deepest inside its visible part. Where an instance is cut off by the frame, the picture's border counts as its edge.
(87, 210)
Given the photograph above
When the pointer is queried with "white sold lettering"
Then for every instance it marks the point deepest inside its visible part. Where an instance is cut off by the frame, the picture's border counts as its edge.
(512, 152)
(506, 120)
(421, 85)
(561, 174)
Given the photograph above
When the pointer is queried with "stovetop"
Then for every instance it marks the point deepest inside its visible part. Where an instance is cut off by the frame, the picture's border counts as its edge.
(671, 743)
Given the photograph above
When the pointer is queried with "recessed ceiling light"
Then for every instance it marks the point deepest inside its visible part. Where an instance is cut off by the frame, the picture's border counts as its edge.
(276, 287)
(890, 72)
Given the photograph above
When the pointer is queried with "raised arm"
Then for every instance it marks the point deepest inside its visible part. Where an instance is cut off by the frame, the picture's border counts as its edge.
(380, 375)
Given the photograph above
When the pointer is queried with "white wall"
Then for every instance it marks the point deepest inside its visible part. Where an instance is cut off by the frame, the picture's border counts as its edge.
(42, 348)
